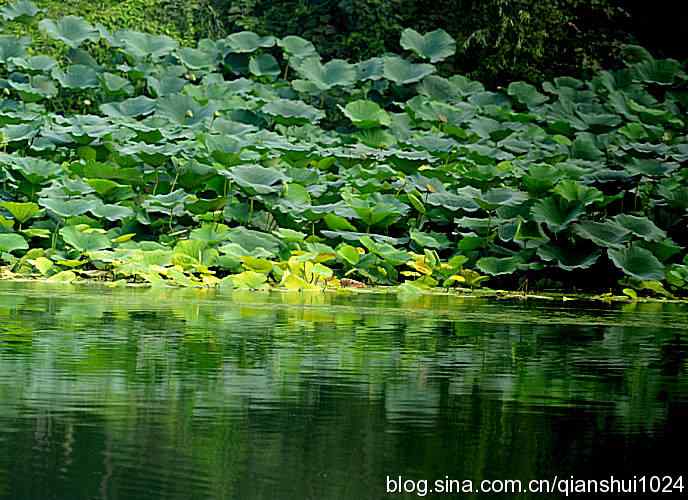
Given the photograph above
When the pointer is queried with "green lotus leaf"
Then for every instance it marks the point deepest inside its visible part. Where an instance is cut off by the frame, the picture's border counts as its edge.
(95, 169)
(575, 191)
(142, 45)
(22, 132)
(84, 241)
(43, 264)
(568, 258)
(585, 147)
(635, 53)
(21, 10)
(641, 226)
(452, 202)
(529, 231)
(349, 254)
(77, 76)
(67, 208)
(604, 234)
(557, 213)
(248, 41)
(637, 262)
(377, 209)
(297, 47)
(649, 167)
(291, 112)
(375, 138)
(494, 266)
(403, 72)
(172, 203)
(264, 65)
(249, 280)
(370, 69)
(40, 63)
(63, 277)
(391, 255)
(71, 30)
(262, 180)
(366, 114)
(115, 84)
(657, 71)
(111, 190)
(526, 94)
(35, 170)
(338, 223)
(112, 212)
(429, 240)
(466, 86)
(196, 59)
(500, 197)
(129, 108)
(194, 252)
(251, 240)
(183, 110)
(210, 233)
(12, 47)
(289, 235)
(435, 45)
(166, 86)
(21, 211)
(11, 242)
(326, 76)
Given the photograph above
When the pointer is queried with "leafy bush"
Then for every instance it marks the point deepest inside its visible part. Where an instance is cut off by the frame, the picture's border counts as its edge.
(250, 157)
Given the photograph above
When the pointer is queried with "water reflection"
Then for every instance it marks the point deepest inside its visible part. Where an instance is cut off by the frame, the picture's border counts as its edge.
(194, 394)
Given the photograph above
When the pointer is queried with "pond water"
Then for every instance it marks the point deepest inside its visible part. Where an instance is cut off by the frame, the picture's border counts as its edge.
(174, 394)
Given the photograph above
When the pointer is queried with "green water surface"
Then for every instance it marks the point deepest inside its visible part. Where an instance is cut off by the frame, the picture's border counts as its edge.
(191, 394)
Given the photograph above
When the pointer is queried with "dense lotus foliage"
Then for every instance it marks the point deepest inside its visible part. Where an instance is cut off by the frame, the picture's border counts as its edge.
(249, 160)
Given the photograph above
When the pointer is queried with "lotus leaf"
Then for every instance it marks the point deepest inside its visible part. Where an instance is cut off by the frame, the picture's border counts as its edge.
(251, 240)
(84, 241)
(196, 59)
(12, 47)
(403, 72)
(11, 242)
(297, 47)
(557, 213)
(366, 114)
(494, 266)
(142, 45)
(608, 234)
(637, 262)
(34, 169)
(264, 65)
(77, 76)
(326, 76)
(19, 11)
(641, 226)
(261, 180)
(567, 258)
(183, 110)
(67, 208)
(293, 112)
(71, 30)
(112, 212)
(247, 41)
(526, 94)
(435, 45)
(370, 69)
(21, 211)
(129, 108)
(40, 63)
(660, 72)
(574, 191)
